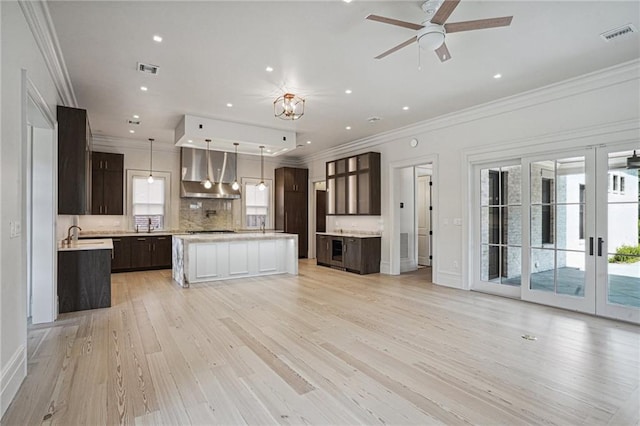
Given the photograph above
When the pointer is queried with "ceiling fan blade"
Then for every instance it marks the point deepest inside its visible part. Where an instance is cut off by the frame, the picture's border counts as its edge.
(398, 47)
(479, 24)
(444, 11)
(443, 53)
(396, 22)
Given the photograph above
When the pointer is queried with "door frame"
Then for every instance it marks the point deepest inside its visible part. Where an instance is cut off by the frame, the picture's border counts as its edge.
(36, 113)
(394, 213)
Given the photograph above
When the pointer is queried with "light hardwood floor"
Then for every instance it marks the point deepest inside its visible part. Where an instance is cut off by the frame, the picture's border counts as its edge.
(325, 347)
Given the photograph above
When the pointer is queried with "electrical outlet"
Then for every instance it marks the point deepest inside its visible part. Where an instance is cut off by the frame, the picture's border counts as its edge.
(12, 229)
(457, 221)
(18, 228)
(455, 264)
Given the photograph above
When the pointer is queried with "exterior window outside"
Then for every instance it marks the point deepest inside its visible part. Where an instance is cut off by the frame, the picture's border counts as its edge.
(501, 225)
(257, 204)
(148, 203)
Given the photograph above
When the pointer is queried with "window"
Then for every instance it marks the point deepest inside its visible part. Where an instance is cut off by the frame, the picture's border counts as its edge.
(547, 211)
(615, 183)
(622, 184)
(149, 201)
(257, 204)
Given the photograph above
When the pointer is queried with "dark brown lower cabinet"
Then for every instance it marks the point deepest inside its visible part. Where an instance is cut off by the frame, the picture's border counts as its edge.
(322, 250)
(139, 253)
(121, 254)
(84, 280)
(353, 254)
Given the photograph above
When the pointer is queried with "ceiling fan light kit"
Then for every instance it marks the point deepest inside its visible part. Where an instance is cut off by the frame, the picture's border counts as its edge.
(431, 37)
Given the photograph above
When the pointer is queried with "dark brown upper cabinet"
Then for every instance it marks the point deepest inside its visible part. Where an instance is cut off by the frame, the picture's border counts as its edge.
(107, 183)
(74, 164)
(353, 185)
(291, 204)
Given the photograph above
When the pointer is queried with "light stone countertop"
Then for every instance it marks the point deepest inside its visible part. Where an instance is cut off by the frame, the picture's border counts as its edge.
(92, 244)
(351, 234)
(123, 233)
(241, 236)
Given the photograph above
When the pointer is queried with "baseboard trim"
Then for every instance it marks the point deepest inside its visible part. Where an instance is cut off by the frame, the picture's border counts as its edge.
(407, 265)
(12, 376)
(448, 279)
(385, 268)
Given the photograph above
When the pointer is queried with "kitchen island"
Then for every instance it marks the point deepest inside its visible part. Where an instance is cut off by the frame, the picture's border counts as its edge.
(212, 257)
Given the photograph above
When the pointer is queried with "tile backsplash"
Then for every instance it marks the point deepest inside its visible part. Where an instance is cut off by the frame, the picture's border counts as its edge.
(199, 213)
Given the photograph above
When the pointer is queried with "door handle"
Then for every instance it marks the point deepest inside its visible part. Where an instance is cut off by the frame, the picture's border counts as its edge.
(590, 246)
(600, 241)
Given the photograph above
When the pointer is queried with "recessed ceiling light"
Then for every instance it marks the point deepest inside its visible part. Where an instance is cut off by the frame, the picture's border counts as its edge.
(268, 150)
(497, 76)
(131, 131)
(190, 141)
(348, 127)
(229, 105)
(348, 91)
(347, 1)
(157, 38)
(136, 116)
(269, 69)
(285, 149)
(308, 141)
(144, 88)
(405, 108)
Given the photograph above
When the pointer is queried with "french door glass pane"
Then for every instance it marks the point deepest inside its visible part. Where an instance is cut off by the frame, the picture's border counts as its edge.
(557, 225)
(501, 225)
(623, 247)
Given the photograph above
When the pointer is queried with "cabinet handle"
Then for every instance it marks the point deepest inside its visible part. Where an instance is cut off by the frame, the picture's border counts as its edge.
(285, 222)
(142, 239)
(100, 164)
(106, 209)
(106, 164)
(116, 240)
(590, 246)
(162, 238)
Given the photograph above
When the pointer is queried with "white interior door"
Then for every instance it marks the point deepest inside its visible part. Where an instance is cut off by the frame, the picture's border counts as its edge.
(424, 220)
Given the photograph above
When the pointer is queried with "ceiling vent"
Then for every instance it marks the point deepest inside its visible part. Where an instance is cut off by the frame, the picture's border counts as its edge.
(625, 30)
(134, 122)
(148, 68)
(373, 119)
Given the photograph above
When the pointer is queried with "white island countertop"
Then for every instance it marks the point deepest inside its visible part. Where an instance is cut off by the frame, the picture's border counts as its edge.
(92, 244)
(351, 234)
(239, 236)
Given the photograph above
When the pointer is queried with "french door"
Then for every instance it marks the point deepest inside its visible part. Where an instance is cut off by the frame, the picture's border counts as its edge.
(563, 230)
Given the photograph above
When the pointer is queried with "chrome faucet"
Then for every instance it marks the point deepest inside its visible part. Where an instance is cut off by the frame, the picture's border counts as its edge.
(149, 228)
(67, 240)
(262, 226)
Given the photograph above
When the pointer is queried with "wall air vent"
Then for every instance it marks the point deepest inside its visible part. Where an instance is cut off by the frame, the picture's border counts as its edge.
(148, 68)
(625, 30)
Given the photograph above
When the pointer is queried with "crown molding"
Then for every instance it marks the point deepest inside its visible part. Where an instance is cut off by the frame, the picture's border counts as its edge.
(38, 18)
(611, 76)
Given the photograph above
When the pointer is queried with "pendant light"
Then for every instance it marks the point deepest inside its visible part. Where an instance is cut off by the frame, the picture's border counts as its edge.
(633, 162)
(261, 185)
(235, 185)
(150, 178)
(207, 183)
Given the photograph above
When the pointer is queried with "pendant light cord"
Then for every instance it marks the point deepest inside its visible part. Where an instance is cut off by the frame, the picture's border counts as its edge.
(151, 156)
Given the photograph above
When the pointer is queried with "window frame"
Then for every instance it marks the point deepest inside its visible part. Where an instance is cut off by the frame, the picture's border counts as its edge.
(270, 208)
(167, 195)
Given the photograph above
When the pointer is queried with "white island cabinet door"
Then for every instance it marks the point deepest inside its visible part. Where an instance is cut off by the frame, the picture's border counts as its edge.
(267, 256)
(239, 259)
(208, 260)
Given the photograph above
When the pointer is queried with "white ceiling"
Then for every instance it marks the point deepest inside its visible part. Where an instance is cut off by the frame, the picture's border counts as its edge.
(215, 52)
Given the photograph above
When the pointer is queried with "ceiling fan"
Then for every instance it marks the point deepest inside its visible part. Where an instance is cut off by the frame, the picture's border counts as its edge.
(432, 32)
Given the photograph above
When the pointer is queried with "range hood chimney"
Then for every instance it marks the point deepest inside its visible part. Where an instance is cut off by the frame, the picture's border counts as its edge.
(194, 171)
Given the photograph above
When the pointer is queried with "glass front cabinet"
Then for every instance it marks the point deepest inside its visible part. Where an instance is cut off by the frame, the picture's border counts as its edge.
(353, 185)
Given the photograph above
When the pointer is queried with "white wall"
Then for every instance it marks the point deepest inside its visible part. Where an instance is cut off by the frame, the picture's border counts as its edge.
(19, 51)
(594, 104)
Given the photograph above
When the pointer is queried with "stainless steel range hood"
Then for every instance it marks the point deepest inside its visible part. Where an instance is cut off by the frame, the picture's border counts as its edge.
(194, 172)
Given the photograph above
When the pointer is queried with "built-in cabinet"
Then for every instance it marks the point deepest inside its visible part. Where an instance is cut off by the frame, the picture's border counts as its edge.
(354, 254)
(291, 204)
(353, 185)
(107, 183)
(139, 253)
(74, 161)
